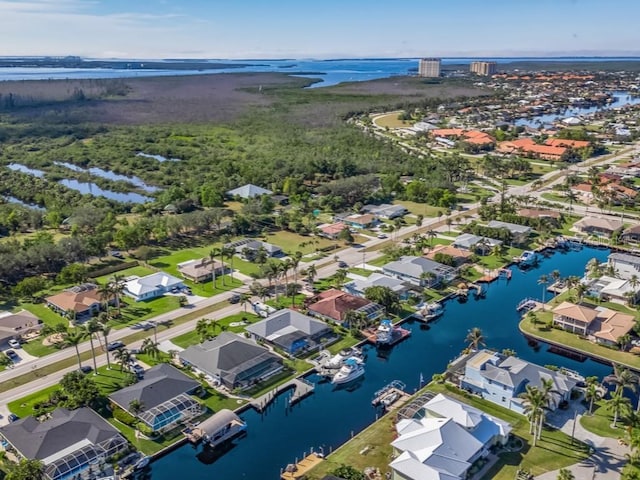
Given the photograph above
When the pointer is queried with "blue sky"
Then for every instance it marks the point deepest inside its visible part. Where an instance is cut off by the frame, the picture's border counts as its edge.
(325, 29)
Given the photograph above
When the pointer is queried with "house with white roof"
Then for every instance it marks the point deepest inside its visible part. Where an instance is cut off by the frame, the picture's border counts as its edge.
(445, 442)
(248, 191)
(151, 286)
(471, 242)
(501, 379)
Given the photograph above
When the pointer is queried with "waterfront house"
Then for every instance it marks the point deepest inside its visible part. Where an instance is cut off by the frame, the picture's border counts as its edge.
(501, 379)
(164, 395)
(83, 300)
(357, 287)
(612, 289)
(445, 442)
(68, 443)
(519, 233)
(14, 326)
(458, 256)
(201, 270)
(151, 286)
(248, 191)
(538, 213)
(419, 271)
(475, 243)
(291, 331)
(600, 325)
(631, 235)
(333, 305)
(574, 318)
(599, 227)
(232, 361)
(624, 265)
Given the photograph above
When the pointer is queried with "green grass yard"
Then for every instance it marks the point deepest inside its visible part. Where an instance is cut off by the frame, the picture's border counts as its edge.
(192, 338)
(600, 421)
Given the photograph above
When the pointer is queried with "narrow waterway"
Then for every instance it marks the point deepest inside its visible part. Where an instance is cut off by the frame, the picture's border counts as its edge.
(329, 417)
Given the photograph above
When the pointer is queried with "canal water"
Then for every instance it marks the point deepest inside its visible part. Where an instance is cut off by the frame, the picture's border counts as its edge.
(330, 416)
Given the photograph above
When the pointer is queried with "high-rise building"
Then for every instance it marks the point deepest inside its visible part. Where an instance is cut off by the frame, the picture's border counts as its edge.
(483, 68)
(429, 67)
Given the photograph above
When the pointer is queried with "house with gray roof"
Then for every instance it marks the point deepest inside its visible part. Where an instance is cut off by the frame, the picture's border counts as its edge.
(519, 233)
(419, 271)
(501, 379)
(164, 396)
(445, 442)
(248, 248)
(386, 210)
(624, 265)
(232, 361)
(359, 285)
(68, 443)
(14, 325)
(291, 331)
(248, 191)
(472, 243)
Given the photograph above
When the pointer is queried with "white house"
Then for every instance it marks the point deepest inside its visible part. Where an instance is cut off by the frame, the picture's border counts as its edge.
(446, 442)
(151, 286)
(419, 271)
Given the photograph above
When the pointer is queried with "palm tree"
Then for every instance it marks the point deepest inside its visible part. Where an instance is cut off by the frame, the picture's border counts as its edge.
(245, 298)
(555, 275)
(431, 234)
(90, 328)
(105, 292)
(229, 252)
(149, 347)
(475, 338)
(106, 330)
(565, 474)
(532, 317)
(202, 329)
(581, 289)
(544, 281)
(136, 406)
(117, 287)
(212, 256)
(592, 394)
(618, 403)
(123, 357)
(624, 341)
(295, 262)
(340, 277)
(533, 407)
(73, 339)
(311, 273)
(594, 268)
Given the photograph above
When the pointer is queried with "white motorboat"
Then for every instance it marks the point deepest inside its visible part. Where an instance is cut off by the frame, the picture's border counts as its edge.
(143, 462)
(431, 311)
(351, 370)
(528, 257)
(388, 400)
(384, 333)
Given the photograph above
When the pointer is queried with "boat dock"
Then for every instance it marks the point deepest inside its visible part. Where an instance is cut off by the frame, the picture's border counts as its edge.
(301, 388)
(396, 387)
(492, 275)
(295, 471)
(398, 334)
(527, 304)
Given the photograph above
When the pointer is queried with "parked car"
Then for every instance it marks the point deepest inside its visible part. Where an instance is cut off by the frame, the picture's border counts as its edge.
(343, 264)
(13, 417)
(11, 354)
(187, 290)
(117, 254)
(136, 368)
(115, 345)
(382, 236)
(235, 298)
(14, 343)
(86, 369)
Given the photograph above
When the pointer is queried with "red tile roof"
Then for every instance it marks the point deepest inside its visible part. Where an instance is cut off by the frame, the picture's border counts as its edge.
(335, 304)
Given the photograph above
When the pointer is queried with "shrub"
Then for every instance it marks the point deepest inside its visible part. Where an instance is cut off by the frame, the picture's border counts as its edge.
(124, 417)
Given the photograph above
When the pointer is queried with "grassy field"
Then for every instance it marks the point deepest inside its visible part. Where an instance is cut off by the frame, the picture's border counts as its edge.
(372, 447)
(391, 120)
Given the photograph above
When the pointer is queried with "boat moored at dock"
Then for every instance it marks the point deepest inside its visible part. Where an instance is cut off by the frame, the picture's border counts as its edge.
(350, 371)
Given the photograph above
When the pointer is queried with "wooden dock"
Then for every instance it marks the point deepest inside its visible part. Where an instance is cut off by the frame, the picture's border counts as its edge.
(298, 470)
(398, 335)
(301, 388)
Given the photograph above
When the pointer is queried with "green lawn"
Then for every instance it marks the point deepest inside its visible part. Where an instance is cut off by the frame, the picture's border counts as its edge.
(138, 271)
(371, 447)
(134, 312)
(421, 209)
(192, 338)
(44, 313)
(492, 261)
(360, 271)
(108, 381)
(600, 422)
